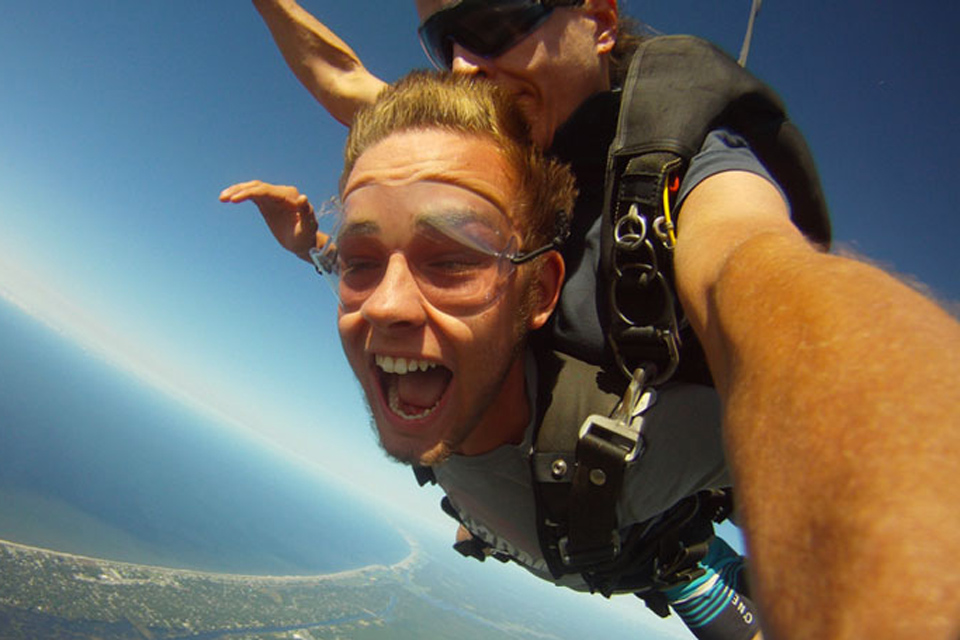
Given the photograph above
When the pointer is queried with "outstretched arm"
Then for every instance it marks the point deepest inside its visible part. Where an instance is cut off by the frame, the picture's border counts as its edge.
(286, 211)
(841, 416)
(324, 64)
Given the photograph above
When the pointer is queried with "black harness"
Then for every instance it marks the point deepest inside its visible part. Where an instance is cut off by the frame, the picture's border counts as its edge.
(578, 477)
(678, 88)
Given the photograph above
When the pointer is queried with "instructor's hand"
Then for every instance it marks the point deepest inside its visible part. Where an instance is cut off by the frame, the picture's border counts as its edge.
(286, 211)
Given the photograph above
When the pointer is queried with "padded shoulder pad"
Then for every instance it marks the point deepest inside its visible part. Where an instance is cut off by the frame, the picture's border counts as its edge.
(679, 88)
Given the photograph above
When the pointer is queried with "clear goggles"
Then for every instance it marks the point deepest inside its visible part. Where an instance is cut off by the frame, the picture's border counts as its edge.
(487, 28)
(459, 262)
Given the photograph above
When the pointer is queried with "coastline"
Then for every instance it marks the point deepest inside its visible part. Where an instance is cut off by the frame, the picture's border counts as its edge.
(50, 594)
(405, 564)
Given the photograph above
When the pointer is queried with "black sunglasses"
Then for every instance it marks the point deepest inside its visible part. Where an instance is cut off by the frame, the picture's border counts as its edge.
(484, 27)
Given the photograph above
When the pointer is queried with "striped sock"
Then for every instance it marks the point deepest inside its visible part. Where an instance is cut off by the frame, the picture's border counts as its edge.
(714, 606)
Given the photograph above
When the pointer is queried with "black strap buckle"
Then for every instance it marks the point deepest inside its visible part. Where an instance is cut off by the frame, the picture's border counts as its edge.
(584, 558)
(615, 432)
(605, 446)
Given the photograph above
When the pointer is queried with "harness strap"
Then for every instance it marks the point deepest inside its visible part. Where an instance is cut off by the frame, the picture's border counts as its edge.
(556, 463)
(678, 89)
(424, 475)
(644, 312)
(472, 547)
(593, 534)
(604, 448)
(578, 477)
(665, 551)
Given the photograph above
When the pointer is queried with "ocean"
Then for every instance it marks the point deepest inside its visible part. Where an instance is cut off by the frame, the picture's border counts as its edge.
(94, 462)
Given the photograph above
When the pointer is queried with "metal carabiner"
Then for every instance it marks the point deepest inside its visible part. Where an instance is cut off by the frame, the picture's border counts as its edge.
(631, 230)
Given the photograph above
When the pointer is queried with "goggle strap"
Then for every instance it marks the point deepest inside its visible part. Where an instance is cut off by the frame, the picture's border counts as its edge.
(520, 258)
(560, 237)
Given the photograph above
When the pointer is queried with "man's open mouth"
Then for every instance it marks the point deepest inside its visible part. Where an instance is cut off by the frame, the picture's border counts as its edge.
(413, 388)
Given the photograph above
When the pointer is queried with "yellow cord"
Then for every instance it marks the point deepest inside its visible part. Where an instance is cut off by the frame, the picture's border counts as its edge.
(668, 220)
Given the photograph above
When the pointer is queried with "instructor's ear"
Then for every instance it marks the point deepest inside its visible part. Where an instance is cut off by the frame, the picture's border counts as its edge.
(548, 280)
(604, 12)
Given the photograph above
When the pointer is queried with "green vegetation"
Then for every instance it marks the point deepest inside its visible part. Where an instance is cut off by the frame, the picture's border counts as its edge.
(58, 596)
(122, 600)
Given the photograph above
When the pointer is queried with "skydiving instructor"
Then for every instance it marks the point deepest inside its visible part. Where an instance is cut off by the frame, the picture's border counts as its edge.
(835, 379)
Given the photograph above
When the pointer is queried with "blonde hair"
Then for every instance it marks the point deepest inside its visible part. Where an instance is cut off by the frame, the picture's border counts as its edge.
(457, 103)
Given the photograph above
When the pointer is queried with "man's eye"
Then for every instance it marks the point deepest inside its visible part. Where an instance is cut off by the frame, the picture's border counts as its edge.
(455, 264)
(351, 261)
(357, 270)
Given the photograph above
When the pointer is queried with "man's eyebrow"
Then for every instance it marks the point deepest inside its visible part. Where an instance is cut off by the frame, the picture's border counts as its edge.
(361, 228)
(429, 221)
(433, 219)
(478, 187)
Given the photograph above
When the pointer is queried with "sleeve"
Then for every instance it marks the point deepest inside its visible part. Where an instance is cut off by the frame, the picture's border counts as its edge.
(723, 150)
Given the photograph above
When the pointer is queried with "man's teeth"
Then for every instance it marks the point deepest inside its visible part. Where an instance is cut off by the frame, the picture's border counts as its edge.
(402, 366)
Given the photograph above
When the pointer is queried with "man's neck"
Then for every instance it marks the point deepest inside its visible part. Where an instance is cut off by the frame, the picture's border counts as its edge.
(505, 420)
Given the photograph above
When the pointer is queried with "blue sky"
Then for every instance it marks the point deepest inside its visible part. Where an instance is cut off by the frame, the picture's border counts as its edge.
(120, 122)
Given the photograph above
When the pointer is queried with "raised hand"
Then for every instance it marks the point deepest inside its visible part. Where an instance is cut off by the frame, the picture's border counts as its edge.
(286, 211)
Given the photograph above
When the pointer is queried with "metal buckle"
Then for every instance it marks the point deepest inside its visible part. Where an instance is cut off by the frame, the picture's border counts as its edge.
(624, 428)
(664, 370)
(664, 331)
(615, 432)
(589, 557)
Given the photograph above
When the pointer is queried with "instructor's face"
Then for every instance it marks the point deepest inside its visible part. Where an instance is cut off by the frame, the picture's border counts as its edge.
(553, 69)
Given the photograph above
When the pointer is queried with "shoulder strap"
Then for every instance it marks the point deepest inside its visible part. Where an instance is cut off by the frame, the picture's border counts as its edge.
(678, 89)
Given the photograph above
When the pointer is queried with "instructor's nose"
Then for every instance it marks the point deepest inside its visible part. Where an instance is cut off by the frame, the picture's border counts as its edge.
(469, 63)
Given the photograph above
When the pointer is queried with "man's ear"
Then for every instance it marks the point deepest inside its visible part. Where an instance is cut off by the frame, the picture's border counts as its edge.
(604, 12)
(548, 280)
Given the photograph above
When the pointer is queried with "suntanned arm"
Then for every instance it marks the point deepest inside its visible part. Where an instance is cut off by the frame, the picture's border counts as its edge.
(841, 420)
(324, 64)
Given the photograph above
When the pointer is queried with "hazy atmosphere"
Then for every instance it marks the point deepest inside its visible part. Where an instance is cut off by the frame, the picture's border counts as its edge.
(120, 123)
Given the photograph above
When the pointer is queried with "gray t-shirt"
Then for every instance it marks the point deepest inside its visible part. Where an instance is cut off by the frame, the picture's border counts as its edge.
(493, 492)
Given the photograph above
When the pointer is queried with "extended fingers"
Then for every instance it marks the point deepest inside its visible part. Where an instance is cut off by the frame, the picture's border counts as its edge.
(257, 189)
(238, 192)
